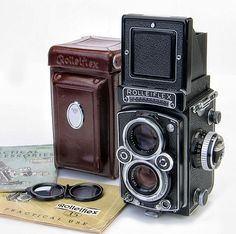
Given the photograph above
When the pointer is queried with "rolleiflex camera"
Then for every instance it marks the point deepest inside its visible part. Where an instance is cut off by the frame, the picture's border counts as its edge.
(168, 147)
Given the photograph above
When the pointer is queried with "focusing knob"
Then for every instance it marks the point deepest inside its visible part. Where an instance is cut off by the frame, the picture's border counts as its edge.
(208, 150)
(214, 117)
(200, 197)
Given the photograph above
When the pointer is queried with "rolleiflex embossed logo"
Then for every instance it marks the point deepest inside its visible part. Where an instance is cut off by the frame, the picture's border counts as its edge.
(78, 209)
(78, 61)
(147, 96)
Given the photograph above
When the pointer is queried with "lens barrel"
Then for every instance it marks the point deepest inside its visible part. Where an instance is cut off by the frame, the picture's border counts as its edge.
(143, 137)
(145, 181)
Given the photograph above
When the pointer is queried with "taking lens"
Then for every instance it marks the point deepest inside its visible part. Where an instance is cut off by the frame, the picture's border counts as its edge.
(86, 192)
(143, 139)
(143, 179)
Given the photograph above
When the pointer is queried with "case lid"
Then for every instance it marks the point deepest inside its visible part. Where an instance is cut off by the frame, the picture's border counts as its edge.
(88, 54)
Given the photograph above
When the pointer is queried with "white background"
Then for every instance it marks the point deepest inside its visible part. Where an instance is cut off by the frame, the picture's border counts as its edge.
(27, 30)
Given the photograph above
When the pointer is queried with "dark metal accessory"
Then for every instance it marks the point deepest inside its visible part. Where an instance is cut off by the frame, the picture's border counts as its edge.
(79, 192)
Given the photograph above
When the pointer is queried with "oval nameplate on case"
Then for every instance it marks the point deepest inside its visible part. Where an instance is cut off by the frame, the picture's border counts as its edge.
(75, 115)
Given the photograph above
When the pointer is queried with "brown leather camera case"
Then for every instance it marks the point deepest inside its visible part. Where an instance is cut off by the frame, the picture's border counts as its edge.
(84, 79)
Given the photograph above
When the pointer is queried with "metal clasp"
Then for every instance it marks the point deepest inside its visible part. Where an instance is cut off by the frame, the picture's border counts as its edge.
(117, 61)
(200, 107)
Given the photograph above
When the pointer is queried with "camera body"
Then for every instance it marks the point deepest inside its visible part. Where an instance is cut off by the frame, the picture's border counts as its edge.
(168, 147)
(84, 80)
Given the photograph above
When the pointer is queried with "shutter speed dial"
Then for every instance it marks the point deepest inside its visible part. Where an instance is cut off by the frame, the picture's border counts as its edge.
(208, 150)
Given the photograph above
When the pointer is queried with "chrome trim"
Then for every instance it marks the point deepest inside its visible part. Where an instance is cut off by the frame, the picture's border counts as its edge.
(200, 107)
(164, 207)
(170, 161)
(204, 152)
(154, 126)
(114, 62)
(126, 99)
(80, 115)
(129, 157)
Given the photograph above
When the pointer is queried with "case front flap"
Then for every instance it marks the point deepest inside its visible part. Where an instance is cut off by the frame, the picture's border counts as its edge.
(77, 121)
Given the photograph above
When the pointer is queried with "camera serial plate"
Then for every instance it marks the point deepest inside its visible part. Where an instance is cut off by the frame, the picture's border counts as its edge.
(148, 96)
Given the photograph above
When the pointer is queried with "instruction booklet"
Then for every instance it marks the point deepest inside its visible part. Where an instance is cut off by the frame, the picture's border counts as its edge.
(25, 166)
(93, 216)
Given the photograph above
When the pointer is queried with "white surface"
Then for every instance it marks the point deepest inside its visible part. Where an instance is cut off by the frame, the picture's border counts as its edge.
(29, 28)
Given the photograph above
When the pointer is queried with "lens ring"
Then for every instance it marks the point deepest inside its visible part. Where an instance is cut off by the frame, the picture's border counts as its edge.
(123, 155)
(216, 139)
(86, 192)
(56, 190)
(142, 154)
(143, 179)
(164, 182)
(207, 151)
(142, 138)
(210, 152)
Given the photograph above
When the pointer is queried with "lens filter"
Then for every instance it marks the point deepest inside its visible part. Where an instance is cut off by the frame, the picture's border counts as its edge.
(47, 191)
(78, 192)
(86, 192)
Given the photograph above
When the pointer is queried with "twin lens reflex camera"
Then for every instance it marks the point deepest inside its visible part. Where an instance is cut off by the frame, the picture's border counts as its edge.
(167, 145)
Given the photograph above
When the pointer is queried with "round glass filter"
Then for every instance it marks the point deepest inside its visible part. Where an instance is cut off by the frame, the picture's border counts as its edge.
(86, 192)
(47, 191)
(79, 192)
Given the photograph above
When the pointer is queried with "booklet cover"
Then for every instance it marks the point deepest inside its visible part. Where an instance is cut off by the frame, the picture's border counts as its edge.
(24, 166)
(93, 216)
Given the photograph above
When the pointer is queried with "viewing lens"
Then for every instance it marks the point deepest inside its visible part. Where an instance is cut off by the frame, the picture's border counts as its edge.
(86, 192)
(143, 139)
(143, 179)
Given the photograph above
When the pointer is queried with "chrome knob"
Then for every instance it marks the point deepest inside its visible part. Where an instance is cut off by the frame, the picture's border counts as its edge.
(208, 150)
(200, 197)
